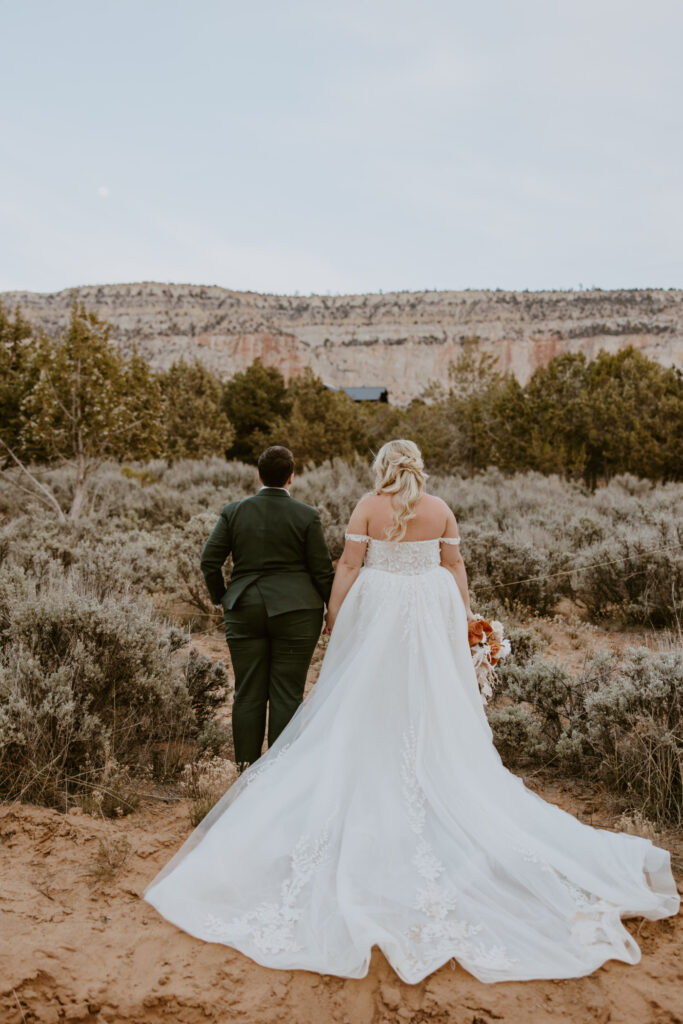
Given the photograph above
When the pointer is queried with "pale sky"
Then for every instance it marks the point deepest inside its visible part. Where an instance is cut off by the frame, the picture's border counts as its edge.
(288, 145)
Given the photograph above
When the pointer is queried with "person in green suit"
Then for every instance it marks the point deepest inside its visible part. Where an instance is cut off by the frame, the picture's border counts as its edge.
(273, 605)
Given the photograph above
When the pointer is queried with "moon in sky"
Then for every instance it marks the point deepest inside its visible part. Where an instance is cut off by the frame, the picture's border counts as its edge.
(103, 191)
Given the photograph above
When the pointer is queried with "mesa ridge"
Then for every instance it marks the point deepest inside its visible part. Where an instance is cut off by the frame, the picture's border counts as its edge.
(400, 340)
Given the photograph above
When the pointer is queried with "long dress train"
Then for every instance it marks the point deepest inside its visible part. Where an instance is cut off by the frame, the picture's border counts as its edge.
(383, 815)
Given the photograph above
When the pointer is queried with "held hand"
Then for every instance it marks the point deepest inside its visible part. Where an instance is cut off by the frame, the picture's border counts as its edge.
(329, 622)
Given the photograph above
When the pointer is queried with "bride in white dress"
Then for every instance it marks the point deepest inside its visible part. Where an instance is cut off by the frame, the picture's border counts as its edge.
(383, 815)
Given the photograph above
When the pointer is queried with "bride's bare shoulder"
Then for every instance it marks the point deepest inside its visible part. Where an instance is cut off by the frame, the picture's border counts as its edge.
(436, 512)
(431, 502)
(370, 499)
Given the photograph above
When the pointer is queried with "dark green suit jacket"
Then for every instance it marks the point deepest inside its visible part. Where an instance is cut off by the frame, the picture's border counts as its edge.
(276, 541)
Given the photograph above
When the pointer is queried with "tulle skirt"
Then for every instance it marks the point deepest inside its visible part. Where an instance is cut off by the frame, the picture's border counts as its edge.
(383, 816)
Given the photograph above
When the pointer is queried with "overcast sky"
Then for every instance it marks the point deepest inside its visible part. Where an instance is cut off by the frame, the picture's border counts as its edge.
(288, 145)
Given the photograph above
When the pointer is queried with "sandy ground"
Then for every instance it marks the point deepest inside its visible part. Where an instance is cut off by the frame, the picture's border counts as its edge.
(78, 943)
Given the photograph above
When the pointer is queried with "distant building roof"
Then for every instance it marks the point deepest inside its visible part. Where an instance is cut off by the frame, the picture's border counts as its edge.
(377, 394)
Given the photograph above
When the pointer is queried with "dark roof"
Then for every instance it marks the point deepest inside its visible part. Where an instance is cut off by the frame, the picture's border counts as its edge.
(367, 394)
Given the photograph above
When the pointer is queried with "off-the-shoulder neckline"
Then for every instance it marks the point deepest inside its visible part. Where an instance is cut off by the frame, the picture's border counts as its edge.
(376, 540)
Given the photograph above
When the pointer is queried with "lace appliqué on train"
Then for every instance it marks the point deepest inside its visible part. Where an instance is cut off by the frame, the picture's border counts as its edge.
(440, 935)
(271, 925)
(590, 921)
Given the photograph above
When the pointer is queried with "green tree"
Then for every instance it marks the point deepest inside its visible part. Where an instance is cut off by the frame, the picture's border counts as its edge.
(323, 422)
(509, 412)
(465, 423)
(17, 374)
(636, 417)
(253, 402)
(427, 421)
(89, 404)
(195, 424)
(557, 416)
(475, 382)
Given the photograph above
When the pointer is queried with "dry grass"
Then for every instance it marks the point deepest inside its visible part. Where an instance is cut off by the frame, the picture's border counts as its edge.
(204, 782)
(112, 854)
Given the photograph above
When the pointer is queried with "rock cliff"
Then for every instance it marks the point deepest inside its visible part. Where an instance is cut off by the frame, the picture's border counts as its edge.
(401, 340)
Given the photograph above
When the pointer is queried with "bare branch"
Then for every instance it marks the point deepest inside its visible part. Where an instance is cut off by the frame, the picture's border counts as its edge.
(27, 490)
(49, 496)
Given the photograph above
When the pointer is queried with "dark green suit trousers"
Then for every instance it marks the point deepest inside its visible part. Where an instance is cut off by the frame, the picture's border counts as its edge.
(270, 657)
(272, 607)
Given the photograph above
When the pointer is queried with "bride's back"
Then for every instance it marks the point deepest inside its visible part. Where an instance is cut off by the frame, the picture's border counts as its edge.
(428, 524)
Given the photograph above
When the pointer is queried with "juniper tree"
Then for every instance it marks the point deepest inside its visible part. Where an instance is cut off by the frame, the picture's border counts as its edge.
(636, 417)
(195, 424)
(324, 422)
(253, 401)
(16, 374)
(89, 404)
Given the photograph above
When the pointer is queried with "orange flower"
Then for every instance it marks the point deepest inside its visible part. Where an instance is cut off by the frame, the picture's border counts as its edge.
(494, 651)
(477, 631)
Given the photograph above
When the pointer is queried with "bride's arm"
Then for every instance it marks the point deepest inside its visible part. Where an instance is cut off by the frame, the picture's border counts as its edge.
(452, 560)
(349, 565)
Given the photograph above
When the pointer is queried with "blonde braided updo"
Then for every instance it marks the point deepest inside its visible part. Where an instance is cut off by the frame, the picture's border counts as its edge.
(399, 471)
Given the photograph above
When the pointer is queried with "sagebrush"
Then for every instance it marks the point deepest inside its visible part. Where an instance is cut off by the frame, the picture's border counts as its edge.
(619, 720)
(89, 683)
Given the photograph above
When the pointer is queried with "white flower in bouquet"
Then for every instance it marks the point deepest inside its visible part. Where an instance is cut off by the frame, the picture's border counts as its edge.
(487, 645)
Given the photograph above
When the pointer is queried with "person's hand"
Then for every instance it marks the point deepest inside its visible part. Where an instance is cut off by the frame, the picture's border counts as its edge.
(329, 622)
(470, 615)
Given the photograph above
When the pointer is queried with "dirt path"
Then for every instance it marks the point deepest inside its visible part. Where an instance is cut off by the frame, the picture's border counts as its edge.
(77, 942)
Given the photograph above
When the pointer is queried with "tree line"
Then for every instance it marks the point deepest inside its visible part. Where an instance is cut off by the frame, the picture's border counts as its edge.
(79, 399)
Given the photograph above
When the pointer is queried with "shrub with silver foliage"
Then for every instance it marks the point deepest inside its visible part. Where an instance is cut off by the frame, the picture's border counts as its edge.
(620, 721)
(84, 679)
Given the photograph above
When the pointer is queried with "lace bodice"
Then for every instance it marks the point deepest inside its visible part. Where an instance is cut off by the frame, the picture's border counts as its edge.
(408, 558)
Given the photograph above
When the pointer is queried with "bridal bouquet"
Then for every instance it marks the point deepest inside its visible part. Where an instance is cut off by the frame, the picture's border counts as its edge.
(487, 646)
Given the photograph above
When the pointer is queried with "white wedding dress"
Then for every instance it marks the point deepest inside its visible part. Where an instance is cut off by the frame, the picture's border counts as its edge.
(383, 816)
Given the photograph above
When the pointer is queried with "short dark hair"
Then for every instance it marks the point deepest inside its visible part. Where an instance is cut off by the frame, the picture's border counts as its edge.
(275, 465)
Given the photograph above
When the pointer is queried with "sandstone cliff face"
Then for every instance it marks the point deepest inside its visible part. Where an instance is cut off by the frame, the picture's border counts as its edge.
(401, 340)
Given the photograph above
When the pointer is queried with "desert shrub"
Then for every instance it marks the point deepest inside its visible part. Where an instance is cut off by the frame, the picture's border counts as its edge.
(139, 494)
(158, 494)
(186, 559)
(148, 524)
(87, 682)
(206, 476)
(207, 683)
(531, 525)
(547, 694)
(636, 577)
(215, 740)
(514, 566)
(617, 721)
(634, 731)
(525, 645)
(110, 789)
(112, 554)
(518, 735)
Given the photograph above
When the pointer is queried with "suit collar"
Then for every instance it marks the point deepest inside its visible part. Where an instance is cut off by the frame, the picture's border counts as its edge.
(278, 492)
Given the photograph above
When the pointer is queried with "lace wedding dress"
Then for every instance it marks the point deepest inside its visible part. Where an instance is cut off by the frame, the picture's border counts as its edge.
(384, 816)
